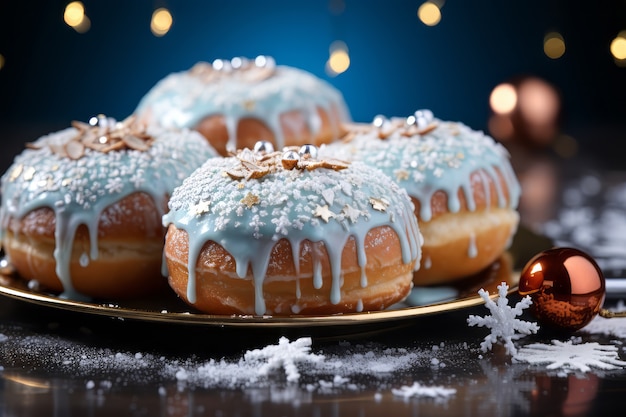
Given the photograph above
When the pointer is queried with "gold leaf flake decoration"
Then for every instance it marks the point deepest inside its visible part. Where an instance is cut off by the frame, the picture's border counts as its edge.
(136, 143)
(74, 149)
(379, 204)
(242, 69)
(106, 137)
(323, 212)
(256, 165)
(250, 200)
(15, 172)
(384, 128)
(333, 164)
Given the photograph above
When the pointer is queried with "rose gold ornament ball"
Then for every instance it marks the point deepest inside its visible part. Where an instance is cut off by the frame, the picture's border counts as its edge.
(566, 286)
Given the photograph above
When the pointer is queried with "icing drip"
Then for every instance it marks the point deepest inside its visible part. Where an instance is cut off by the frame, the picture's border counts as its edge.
(322, 202)
(261, 90)
(431, 155)
(80, 186)
(472, 251)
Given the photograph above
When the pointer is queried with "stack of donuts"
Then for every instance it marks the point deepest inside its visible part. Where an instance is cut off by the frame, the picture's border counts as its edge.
(244, 187)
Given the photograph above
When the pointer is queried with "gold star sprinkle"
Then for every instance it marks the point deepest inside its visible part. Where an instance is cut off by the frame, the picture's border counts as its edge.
(15, 173)
(379, 204)
(401, 174)
(201, 208)
(323, 212)
(250, 200)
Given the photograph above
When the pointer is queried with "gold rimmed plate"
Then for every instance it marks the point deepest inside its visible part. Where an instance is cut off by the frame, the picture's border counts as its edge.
(167, 308)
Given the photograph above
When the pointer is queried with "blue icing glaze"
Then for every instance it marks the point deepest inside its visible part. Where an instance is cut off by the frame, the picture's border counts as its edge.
(183, 99)
(79, 190)
(248, 217)
(441, 158)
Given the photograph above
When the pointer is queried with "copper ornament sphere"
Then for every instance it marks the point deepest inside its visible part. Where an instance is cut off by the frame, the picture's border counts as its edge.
(566, 286)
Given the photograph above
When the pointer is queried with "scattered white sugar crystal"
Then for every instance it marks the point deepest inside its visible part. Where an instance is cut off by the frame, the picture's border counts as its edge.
(285, 355)
(340, 380)
(504, 325)
(162, 392)
(419, 390)
(3, 337)
(182, 375)
(570, 356)
(90, 384)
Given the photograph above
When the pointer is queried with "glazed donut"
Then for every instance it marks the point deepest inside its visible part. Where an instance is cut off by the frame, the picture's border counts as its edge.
(461, 181)
(82, 208)
(285, 233)
(236, 103)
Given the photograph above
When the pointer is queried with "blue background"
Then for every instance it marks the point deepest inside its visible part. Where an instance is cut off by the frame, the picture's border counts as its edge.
(54, 75)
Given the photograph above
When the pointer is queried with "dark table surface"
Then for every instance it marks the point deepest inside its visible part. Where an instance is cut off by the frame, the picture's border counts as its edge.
(59, 362)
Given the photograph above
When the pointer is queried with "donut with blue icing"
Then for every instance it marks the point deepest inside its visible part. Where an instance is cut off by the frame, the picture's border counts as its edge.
(235, 103)
(82, 207)
(267, 232)
(461, 181)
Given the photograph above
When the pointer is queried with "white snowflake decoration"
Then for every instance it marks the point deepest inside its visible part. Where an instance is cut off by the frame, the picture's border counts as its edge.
(503, 323)
(568, 356)
(285, 355)
(418, 390)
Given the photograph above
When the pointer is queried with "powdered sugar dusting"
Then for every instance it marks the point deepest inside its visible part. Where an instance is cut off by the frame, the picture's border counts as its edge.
(418, 390)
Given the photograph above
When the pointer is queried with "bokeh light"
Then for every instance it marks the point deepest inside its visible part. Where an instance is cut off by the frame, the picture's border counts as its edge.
(1, 61)
(503, 98)
(75, 17)
(618, 47)
(161, 22)
(429, 13)
(538, 101)
(526, 110)
(554, 45)
(74, 13)
(339, 59)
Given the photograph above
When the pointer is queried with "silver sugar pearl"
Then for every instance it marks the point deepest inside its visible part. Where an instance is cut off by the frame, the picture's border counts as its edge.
(263, 146)
(379, 121)
(423, 118)
(411, 120)
(308, 151)
(6, 268)
(290, 156)
(222, 65)
(102, 121)
(238, 62)
(264, 61)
